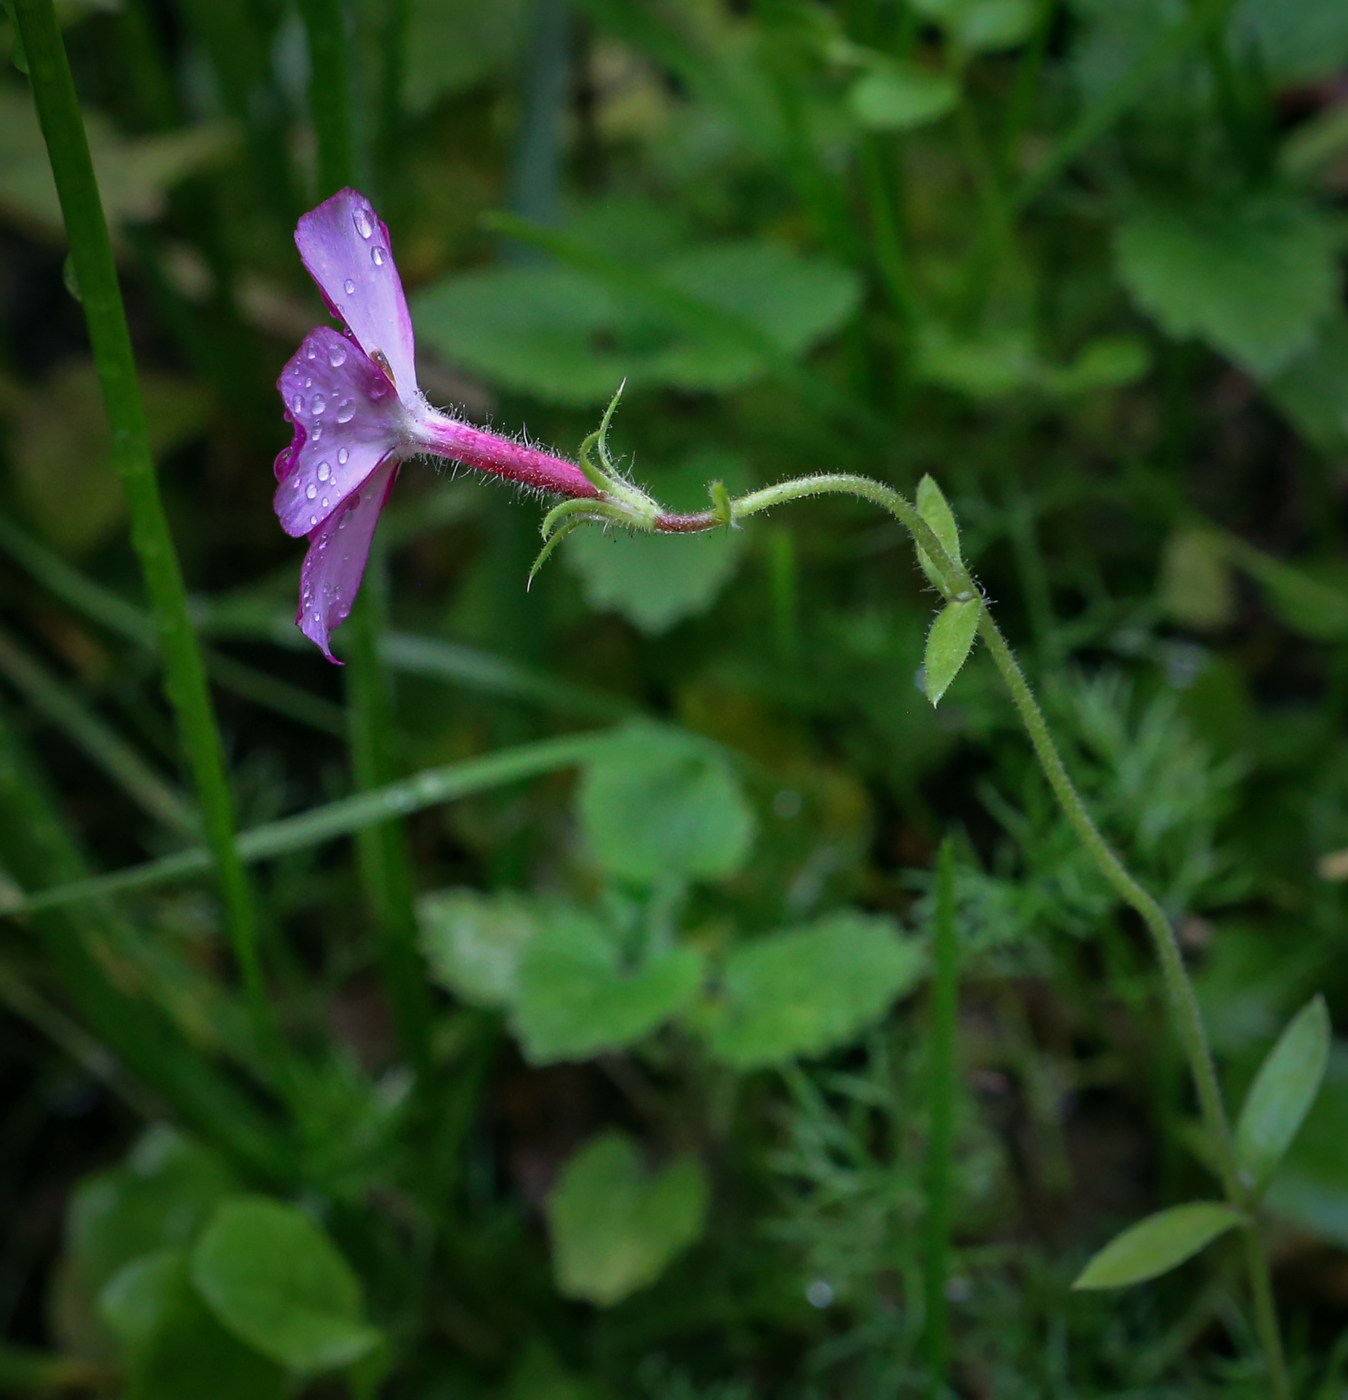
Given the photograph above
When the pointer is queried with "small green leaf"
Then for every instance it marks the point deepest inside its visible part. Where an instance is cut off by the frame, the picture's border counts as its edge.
(1158, 1244)
(899, 97)
(276, 1281)
(805, 991)
(614, 1227)
(1283, 1092)
(173, 1347)
(577, 998)
(933, 507)
(1312, 389)
(473, 942)
(656, 804)
(948, 645)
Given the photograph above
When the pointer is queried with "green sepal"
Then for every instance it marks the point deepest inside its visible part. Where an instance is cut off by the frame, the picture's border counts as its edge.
(1158, 1244)
(721, 506)
(933, 507)
(948, 644)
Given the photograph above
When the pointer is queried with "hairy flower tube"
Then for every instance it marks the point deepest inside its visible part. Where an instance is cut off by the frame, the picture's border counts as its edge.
(358, 415)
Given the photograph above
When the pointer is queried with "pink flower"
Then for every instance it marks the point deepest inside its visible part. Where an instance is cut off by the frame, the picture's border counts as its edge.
(358, 414)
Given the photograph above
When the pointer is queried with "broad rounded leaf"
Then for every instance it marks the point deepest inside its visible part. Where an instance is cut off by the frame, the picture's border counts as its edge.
(948, 645)
(160, 1198)
(654, 581)
(173, 1347)
(807, 990)
(899, 97)
(1252, 279)
(473, 942)
(576, 997)
(1158, 1244)
(614, 1226)
(571, 336)
(1283, 1092)
(276, 1281)
(656, 805)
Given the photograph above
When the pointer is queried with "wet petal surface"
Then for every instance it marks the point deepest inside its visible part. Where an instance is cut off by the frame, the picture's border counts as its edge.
(345, 248)
(335, 563)
(347, 420)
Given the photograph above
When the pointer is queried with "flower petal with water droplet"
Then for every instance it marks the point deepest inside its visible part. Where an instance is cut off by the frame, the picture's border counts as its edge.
(335, 563)
(363, 424)
(360, 282)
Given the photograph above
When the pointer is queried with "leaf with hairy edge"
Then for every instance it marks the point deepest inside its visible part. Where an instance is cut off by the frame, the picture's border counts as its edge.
(933, 507)
(948, 645)
(1283, 1092)
(1158, 1244)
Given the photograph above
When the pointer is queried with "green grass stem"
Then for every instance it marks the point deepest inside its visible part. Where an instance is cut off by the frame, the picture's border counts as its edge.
(185, 675)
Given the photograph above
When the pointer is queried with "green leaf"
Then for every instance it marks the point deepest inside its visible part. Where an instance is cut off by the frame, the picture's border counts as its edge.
(159, 1199)
(474, 942)
(1252, 279)
(948, 645)
(1305, 604)
(1195, 586)
(134, 175)
(656, 581)
(1158, 1244)
(614, 1226)
(1312, 390)
(277, 1282)
(933, 507)
(901, 96)
(805, 991)
(578, 995)
(656, 805)
(174, 1347)
(569, 336)
(1311, 1187)
(1001, 361)
(982, 25)
(1283, 1092)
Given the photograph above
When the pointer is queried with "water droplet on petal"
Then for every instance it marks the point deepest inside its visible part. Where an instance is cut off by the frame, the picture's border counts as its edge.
(313, 520)
(362, 222)
(308, 383)
(311, 353)
(377, 256)
(311, 490)
(342, 455)
(336, 354)
(318, 404)
(349, 287)
(316, 432)
(325, 503)
(346, 410)
(324, 471)
(297, 403)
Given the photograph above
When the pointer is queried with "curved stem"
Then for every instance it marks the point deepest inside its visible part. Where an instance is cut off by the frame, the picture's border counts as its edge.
(1179, 987)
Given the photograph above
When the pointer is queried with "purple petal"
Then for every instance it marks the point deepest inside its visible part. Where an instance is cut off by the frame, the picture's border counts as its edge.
(336, 559)
(345, 248)
(347, 421)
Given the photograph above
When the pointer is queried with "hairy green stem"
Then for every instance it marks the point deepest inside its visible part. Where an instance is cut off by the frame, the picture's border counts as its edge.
(1188, 1020)
(110, 340)
(941, 1088)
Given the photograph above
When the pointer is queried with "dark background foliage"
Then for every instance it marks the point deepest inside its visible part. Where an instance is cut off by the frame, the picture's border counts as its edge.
(1081, 262)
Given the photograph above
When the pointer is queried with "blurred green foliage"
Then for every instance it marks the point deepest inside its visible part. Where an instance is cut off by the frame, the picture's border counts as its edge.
(1076, 266)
